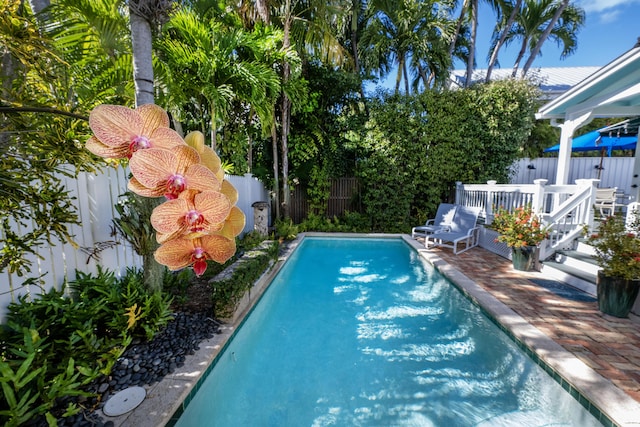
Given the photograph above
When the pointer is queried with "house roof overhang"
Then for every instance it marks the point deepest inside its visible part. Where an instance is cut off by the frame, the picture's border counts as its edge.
(612, 91)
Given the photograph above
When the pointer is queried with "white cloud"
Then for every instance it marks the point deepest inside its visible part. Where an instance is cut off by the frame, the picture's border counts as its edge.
(602, 5)
(608, 17)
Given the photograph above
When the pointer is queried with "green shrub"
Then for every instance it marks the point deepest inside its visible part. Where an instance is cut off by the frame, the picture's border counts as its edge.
(227, 293)
(55, 344)
(350, 222)
(122, 305)
(286, 229)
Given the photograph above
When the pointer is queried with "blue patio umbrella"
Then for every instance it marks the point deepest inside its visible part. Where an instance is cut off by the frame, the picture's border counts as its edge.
(594, 141)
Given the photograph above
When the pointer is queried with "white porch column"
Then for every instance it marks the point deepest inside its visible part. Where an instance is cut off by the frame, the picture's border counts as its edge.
(635, 179)
(566, 136)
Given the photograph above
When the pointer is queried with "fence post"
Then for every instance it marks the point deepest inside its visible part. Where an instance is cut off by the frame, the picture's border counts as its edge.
(537, 204)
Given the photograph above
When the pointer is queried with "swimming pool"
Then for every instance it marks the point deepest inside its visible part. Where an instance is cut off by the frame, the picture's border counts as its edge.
(359, 332)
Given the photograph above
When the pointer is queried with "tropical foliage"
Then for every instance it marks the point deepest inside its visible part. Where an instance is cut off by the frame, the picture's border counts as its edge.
(617, 246)
(278, 90)
(414, 149)
(243, 76)
(53, 346)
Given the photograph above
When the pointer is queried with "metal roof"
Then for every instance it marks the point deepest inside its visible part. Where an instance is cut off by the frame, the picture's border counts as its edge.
(553, 81)
(612, 91)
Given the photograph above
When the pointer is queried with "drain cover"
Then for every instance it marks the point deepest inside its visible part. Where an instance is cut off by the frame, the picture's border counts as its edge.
(124, 401)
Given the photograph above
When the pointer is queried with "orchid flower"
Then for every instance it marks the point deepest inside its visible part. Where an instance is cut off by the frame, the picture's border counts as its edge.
(120, 131)
(208, 157)
(191, 215)
(158, 172)
(234, 223)
(180, 253)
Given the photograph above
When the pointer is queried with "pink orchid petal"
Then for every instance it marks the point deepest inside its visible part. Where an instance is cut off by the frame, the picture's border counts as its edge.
(153, 116)
(115, 125)
(94, 145)
(152, 167)
(175, 254)
(168, 217)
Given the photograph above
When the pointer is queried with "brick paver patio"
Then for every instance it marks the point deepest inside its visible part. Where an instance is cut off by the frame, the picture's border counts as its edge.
(607, 344)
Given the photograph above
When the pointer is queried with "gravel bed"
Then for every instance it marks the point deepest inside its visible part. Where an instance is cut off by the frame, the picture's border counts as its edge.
(145, 363)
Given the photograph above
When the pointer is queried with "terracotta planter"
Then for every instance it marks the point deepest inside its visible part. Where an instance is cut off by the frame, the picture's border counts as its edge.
(525, 258)
(616, 296)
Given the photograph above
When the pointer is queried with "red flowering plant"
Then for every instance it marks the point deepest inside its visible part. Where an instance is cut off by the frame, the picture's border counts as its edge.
(617, 247)
(519, 228)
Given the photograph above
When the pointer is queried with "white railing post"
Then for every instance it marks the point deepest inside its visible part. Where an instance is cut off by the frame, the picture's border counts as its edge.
(488, 204)
(537, 204)
(459, 193)
(589, 212)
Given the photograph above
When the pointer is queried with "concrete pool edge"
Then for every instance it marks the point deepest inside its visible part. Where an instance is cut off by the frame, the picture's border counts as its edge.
(166, 398)
(573, 373)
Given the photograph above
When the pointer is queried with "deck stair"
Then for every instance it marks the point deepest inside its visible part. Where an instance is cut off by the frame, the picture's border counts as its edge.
(577, 267)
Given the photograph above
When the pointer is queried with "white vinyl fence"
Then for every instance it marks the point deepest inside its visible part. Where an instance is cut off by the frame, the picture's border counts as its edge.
(615, 172)
(96, 195)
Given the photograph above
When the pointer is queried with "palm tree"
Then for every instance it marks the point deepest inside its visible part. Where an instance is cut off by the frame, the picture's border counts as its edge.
(309, 26)
(571, 18)
(405, 33)
(536, 17)
(501, 7)
(212, 64)
(142, 14)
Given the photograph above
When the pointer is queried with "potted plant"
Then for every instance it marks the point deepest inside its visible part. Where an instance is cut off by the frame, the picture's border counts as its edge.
(523, 232)
(617, 248)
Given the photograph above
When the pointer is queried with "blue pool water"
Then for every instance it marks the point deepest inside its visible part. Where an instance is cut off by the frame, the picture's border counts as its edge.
(362, 332)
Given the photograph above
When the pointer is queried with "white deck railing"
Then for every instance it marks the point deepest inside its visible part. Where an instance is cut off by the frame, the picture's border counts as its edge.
(566, 209)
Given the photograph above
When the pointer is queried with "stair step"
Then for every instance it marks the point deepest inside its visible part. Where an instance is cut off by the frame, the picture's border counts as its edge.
(578, 260)
(584, 247)
(576, 277)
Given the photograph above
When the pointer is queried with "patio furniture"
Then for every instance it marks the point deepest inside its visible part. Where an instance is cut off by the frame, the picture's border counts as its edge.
(606, 200)
(463, 229)
(444, 216)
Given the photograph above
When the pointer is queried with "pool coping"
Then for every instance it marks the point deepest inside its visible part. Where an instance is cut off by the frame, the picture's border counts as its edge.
(166, 399)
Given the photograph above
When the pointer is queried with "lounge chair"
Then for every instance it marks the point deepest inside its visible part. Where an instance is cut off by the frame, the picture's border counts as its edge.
(463, 229)
(606, 200)
(444, 216)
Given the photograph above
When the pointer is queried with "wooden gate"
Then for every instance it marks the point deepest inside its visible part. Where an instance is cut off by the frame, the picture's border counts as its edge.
(343, 197)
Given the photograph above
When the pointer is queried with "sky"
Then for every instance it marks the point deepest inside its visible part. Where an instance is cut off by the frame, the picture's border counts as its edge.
(611, 28)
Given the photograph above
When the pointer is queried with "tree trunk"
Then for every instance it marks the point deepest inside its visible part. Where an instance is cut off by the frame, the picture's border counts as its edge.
(503, 37)
(214, 131)
(472, 46)
(354, 46)
(423, 75)
(276, 168)
(153, 272)
(406, 78)
(516, 64)
(142, 58)
(452, 45)
(249, 141)
(399, 74)
(38, 6)
(286, 115)
(544, 36)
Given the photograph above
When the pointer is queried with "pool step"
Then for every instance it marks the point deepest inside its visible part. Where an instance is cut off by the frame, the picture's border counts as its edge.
(577, 268)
